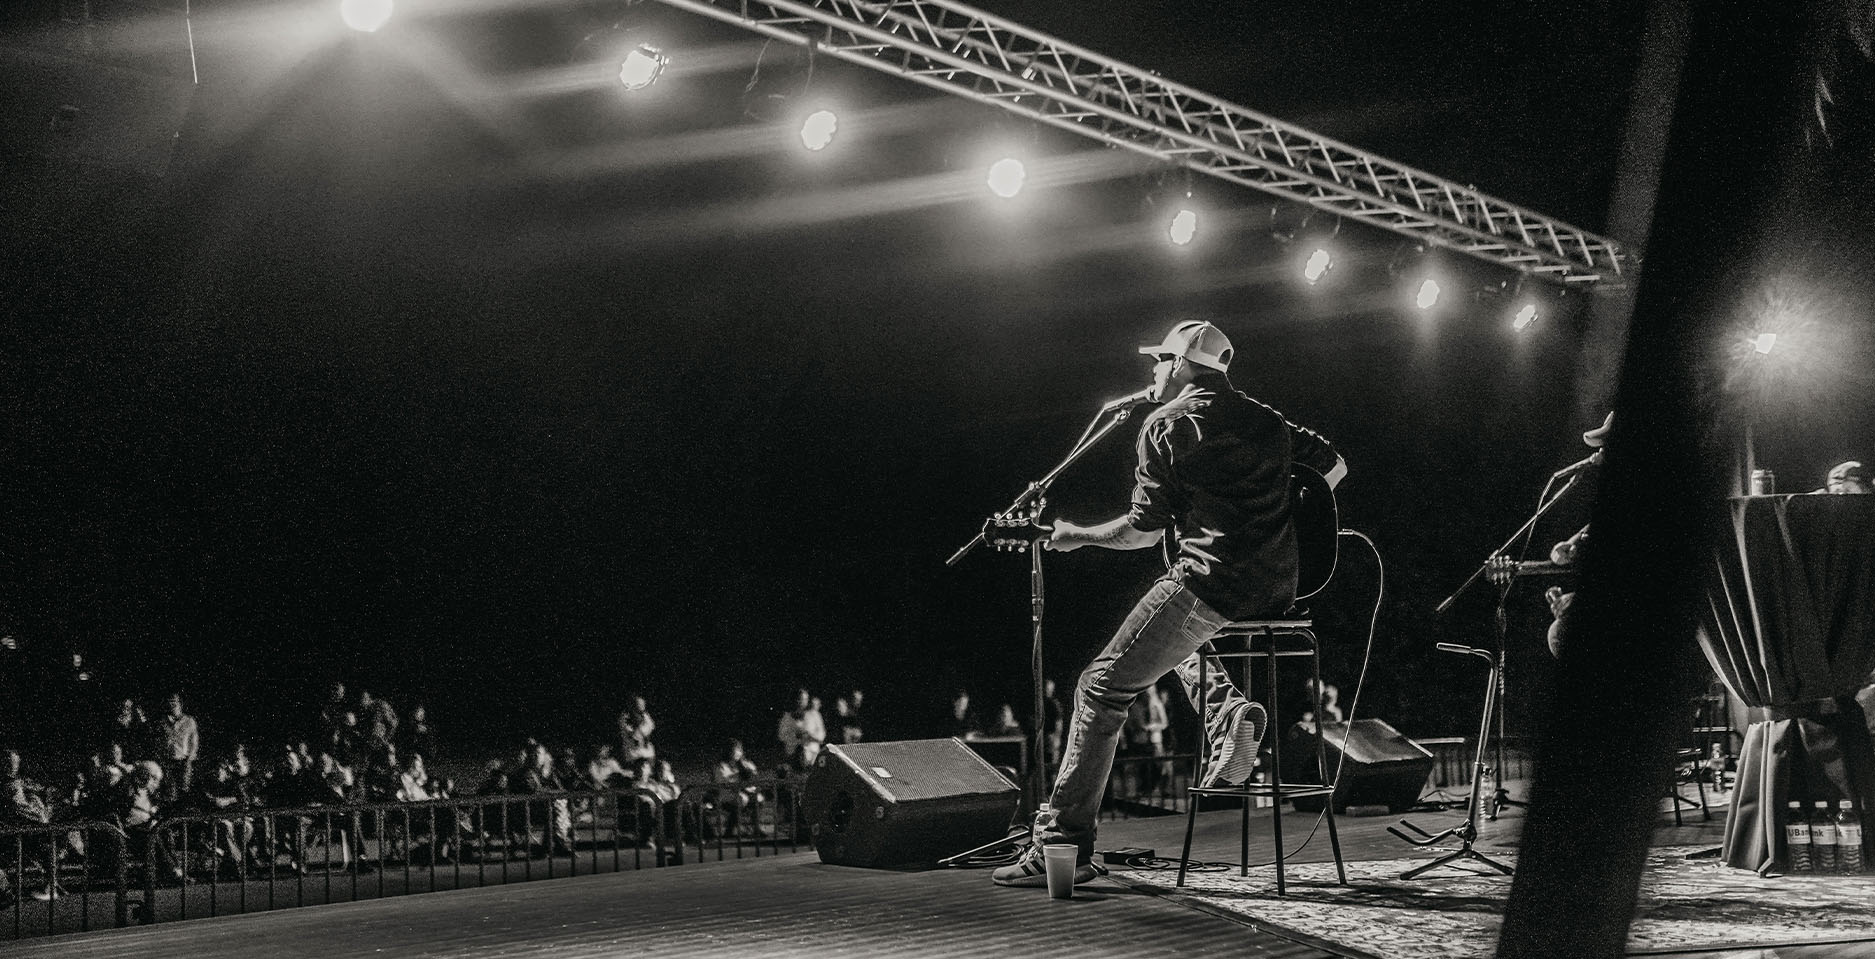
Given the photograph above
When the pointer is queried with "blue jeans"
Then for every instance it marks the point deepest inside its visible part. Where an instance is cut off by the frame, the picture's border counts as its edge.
(1162, 633)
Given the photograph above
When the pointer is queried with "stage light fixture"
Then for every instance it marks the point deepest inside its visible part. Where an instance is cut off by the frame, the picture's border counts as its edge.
(1526, 315)
(365, 16)
(1428, 295)
(1764, 343)
(1318, 265)
(1184, 226)
(1006, 177)
(818, 129)
(642, 67)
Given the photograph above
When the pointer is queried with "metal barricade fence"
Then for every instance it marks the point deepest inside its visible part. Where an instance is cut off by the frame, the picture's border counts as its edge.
(91, 874)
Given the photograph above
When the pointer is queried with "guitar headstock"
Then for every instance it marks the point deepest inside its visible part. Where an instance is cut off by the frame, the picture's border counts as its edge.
(1016, 531)
(1500, 569)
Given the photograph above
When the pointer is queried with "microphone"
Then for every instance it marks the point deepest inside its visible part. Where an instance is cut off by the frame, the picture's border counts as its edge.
(1129, 401)
(1593, 459)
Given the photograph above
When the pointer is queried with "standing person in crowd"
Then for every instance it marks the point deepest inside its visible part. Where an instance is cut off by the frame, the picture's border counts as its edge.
(1213, 466)
(129, 728)
(635, 727)
(377, 716)
(416, 737)
(332, 713)
(846, 725)
(801, 731)
(180, 743)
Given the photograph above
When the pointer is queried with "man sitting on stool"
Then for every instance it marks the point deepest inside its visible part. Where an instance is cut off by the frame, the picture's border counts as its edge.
(1213, 465)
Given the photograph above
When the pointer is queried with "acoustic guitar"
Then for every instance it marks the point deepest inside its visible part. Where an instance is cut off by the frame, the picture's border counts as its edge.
(1312, 511)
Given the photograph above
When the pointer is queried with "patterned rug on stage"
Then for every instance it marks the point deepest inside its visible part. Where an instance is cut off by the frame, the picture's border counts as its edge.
(1688, 903)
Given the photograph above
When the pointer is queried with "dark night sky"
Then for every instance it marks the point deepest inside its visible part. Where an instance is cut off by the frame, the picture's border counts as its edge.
(514, 402)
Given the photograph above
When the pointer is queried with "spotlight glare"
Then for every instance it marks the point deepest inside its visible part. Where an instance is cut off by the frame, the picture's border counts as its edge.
(1526, 315)
(1320, 262)
(1006, 177)
(1184, 227)
(818, 130)
(365, 16)
(642, 67)
(1428, 295)
(1764, 342)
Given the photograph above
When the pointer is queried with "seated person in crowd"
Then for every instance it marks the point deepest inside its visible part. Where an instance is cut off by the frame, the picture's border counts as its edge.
(733, 774)
(603, 770)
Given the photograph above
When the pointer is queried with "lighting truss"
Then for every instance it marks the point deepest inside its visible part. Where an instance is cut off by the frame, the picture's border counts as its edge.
(973, 54)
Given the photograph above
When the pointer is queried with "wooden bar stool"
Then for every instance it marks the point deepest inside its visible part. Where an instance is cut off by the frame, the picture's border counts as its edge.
(1270, 639)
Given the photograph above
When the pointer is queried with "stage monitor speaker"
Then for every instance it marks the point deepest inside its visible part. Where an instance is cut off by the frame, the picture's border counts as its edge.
(899, 803)
(1380, 767)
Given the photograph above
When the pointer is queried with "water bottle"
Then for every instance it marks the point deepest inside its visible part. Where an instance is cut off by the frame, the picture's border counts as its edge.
(1848, 838)
(1823, 838)
(1797, 837)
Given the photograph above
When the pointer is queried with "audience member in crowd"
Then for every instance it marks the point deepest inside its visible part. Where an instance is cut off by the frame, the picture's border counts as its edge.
(179, 743)
(348, 741)
(733, 775)
(537, 775)
(26, 806)
(129, 728)
(847, 717)
(416, 736)
(143, 841)
(1331, 703)
(962, 721)
(1052, 726)
(634, 731)
(377, 716)
(332, 713)
(1146, 723)
(226, 791)
(654, 791)
(108, 767)
(1005, 724)
(603, 770)
(801, 732)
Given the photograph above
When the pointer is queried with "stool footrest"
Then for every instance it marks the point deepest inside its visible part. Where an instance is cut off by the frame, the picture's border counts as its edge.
(1263, 789)
(1259, 625)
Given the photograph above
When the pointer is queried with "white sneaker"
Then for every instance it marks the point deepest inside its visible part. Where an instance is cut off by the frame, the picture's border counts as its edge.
(1237, 758)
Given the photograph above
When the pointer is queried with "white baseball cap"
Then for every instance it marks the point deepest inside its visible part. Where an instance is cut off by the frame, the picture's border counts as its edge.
(1197, 341)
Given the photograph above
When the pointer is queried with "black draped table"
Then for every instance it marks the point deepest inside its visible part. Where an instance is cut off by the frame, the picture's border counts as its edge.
(1789, 625)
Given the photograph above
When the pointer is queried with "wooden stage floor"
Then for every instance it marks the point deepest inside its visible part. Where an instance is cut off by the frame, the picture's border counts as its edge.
(794, 905)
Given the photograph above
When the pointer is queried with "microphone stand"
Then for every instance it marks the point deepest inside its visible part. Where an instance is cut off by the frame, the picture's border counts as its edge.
(1494, 705)
(1023, 512)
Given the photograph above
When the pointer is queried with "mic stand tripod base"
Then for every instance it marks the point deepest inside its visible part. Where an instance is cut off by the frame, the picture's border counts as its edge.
(1466, 836)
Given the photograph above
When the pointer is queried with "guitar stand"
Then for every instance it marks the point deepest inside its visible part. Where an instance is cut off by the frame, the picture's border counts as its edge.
(1466, 832)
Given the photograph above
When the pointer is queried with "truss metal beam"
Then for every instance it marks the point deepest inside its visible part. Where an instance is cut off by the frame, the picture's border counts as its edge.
(973, 54)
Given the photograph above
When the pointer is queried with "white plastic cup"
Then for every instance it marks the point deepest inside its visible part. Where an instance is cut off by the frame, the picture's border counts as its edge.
(1058, 859)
